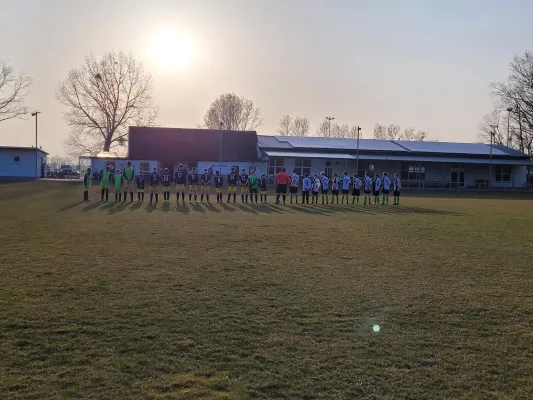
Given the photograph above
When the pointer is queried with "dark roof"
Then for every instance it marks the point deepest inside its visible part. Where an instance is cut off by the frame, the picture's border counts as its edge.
(178, 144)
(22, 148)
(398, 147)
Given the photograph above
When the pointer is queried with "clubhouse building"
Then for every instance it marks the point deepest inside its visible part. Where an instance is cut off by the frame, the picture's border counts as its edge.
(424, 165)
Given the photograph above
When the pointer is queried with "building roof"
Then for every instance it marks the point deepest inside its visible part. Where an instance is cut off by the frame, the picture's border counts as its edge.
(178, 144)
(22, 148)
(398, 147)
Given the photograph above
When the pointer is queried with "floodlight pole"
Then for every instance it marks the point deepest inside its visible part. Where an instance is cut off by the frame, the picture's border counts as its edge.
(221, 124)
(490, 159)
(357, 153)
(509, 109)
(35, 114)
(329, 119)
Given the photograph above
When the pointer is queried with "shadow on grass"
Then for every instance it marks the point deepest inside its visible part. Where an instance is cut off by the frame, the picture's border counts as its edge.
(165, 207)
(150, 208)
(211, 208)
(245, 208)
(380, 209)
(226, 207)
(90, 207)
(136, 206)
(197, 207)
(182, 208)
(121, 206)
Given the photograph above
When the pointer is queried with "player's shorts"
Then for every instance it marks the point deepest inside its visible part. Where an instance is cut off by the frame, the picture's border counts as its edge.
(154, 189)
(166, 189)
(367, 191)
(192, 188)
(356, 192)
(180, 187)
(293, 190)
(232, 189)
(315, 193)
(118, 189)
(253, 190)
(264, 192)
(205, 189)
(376, 192)
(104, 186)
(128, 186)
(345, 191)
(335, 192)
(218, 190)
(397, 193)
(281, 188)
(324, 191)
(386, 191)
(140, 190)
(245, 189)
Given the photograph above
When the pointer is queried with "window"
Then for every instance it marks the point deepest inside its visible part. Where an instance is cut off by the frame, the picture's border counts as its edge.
(302, 166)
(503, 173)
(145, 167)
(275, 164)
(16, 159)
(413, 172)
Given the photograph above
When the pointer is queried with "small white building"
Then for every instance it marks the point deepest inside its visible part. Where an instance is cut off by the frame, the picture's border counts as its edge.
(22, 163)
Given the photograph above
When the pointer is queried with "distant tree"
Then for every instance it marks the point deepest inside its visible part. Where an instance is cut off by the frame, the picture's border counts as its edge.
(102, 99)
(491, 126)
(352, 133)
(300, 126)
(393, 132)
(339, 131)
(13, 90)
(517, 95)
(413, 135)
(380, 132)
(285, 125)
(324, 129)
(234, 112)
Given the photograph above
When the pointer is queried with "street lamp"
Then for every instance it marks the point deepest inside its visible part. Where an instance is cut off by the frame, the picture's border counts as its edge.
(357, 154)
(220, 125)
(509, 110)
(35, 114)
(329, 119)
(492, 136)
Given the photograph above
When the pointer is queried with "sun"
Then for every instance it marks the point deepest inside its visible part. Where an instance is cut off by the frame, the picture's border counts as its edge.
(172, 49)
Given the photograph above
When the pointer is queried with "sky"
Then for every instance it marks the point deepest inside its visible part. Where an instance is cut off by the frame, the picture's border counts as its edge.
(421, 63)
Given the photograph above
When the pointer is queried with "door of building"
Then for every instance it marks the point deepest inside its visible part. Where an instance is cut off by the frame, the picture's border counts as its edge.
(458, 177)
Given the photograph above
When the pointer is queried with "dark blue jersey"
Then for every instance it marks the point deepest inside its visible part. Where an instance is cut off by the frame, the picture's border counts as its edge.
(206, 179)
(232, 179)
(139, 181)
(166, 179)
(154, 179)
(244, 179)
(263, 184)
(180, 177)
(193, 179)
(219, 181)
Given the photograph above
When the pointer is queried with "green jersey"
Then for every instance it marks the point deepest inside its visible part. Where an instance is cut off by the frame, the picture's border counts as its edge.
(117, 181)
(129, 173)
(252, 181)
(105, 181)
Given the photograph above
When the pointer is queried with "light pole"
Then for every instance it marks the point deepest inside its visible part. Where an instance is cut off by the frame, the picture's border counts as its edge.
(357, 153)
(220, 124)
(492, 135)
(35, 114)
(509, 109)
(329, 119)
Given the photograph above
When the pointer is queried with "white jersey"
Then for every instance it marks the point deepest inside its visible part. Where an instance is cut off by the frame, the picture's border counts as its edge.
(306, 184)
(316, 185)
(368, 184)
(346, 182)
(377, 184)
(357, 183)
(386, 183)
(335, 184)
(295, 180)
(397, 184)
(325, 182)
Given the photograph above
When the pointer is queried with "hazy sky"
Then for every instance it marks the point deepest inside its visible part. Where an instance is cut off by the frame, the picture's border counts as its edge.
(422, 63)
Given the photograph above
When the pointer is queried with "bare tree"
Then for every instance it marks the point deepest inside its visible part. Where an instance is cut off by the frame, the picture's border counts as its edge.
(517, 94)
(102, 99)
(380, 132)
(285, 125)
(13, 90)
(354, 132)
(300, 126)
(491, 126)
(235, 113)
(413, 135)
(393, 132)
(324, 129)
(339, 131)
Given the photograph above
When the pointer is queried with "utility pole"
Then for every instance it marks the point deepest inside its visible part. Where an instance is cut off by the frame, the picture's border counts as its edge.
(35, 114)
(357, 154)
(492, 135)
(221, 124)
(329, 119)
(509, 109)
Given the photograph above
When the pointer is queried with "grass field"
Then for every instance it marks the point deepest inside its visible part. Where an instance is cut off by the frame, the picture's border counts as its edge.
(107, 301)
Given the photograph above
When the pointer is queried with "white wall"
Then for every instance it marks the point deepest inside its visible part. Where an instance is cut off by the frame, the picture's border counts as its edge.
(26, 168)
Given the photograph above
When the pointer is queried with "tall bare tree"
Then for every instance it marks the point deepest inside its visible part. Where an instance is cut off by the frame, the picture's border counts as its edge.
(393, 132)
(102, 99)
(234, 112)
(413, 135)
(285, 125)
(354, 132)
(517, 94)
(300, 126)
(324, 129)
(13, 90)
(491, 125)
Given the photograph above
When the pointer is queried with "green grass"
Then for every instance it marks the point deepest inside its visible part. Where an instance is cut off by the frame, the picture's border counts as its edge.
(110, 301)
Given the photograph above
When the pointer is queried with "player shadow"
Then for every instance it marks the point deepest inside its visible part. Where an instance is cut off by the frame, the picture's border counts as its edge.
(197, 208)
(135, 206)
(379, 209)
(274, 208)
(310, 209)
(246, 208)
(108, 205)
(227, 207)
(150, 208)
(182, 208)
(165, 207)
(118, 208)
(90, 207)
(211, 208)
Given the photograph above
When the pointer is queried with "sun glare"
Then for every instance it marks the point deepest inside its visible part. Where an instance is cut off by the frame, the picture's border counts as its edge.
(172, 49)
